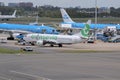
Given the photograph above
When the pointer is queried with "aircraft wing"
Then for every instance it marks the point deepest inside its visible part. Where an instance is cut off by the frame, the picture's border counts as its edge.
(15, 31)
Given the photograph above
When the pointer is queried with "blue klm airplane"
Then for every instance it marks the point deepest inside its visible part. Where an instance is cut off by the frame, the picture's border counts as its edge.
(69, 23)
(17, 29)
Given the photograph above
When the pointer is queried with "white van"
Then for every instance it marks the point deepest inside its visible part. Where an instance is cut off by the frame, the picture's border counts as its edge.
(91, 40)
(3, 40)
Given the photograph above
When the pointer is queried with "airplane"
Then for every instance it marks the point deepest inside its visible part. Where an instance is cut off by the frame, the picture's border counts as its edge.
(18, 29)
(7, 17)
(36, 22)
(53, 39)
(69, 23)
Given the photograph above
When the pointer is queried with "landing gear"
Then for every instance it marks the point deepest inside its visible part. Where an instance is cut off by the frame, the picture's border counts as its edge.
(60, 45)
(51, 45)
(10, 38)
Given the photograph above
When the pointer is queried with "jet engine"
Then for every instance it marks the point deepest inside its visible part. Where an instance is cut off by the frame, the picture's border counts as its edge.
(40, 43)
(13, 36)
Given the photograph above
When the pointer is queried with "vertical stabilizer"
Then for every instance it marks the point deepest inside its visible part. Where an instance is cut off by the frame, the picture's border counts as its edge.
(85, 31)
(65, 16)
(14, 14)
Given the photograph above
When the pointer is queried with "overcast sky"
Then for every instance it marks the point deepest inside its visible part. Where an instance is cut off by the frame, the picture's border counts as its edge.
(70, 3)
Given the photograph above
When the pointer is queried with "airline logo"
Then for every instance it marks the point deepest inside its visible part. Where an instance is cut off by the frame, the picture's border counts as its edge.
(65, 17)
(85, 31)
(43, 37)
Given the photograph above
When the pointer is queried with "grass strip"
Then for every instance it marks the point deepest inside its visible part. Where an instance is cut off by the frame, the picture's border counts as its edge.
(10, 51)
(84, 51)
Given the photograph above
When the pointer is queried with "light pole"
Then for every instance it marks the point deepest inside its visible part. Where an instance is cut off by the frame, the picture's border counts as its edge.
(95, 13)
(95, 19)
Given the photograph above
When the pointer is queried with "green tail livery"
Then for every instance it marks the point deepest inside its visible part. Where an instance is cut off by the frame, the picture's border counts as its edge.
(85, 32)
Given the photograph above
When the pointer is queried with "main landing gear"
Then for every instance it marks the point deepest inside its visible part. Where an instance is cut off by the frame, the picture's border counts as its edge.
(59, 45)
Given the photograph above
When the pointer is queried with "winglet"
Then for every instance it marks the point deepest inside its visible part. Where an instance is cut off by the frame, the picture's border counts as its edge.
(89, 22)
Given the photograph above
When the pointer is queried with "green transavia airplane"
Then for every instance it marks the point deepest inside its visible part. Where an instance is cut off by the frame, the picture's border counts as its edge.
(52, 39)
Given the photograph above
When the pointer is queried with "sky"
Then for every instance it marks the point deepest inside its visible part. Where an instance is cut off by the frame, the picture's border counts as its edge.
(70, 3)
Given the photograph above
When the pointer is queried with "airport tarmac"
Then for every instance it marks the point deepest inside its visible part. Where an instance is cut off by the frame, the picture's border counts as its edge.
(60, 66)
(97, 46)
(54, 63)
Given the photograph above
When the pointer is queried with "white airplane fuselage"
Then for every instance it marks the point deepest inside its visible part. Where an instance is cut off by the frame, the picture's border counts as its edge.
(58, 39)
(6, 17)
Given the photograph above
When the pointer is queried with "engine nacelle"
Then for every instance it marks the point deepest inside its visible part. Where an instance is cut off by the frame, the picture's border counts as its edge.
(40, 43)
(17, 35)
(13, 36)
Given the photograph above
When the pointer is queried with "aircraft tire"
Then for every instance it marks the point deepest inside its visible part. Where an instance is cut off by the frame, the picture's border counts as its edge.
(10, 38)
(60, 45)
(51, 45)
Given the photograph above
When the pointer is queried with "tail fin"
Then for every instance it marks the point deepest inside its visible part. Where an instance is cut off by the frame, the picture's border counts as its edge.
(65, 16)
(85, 31)
(14, 14)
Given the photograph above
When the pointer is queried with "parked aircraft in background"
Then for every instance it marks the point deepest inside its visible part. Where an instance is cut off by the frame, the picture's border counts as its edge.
(36, 22)
(16, 29)
(52, 39)
(69, 23)
(7, 17)
(65, 16)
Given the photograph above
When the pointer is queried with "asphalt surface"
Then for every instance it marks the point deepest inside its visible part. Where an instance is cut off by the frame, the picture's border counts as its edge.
(60, 66)
(52, 64)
